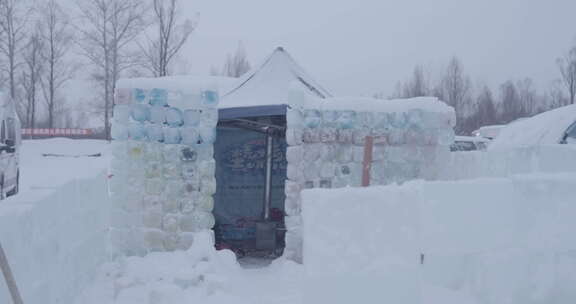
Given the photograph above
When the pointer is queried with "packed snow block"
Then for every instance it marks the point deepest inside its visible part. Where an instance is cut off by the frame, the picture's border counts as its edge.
(165, 166)
(375, 251)
(456, 218)
(499, 240)
(508, 162)
(56, 244)
(330, 246)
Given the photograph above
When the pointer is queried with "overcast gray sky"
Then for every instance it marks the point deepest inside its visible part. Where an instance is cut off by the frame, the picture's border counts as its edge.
(365, 46)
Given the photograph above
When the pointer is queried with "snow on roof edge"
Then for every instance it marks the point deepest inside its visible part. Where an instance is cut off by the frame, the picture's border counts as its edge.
(299, 73)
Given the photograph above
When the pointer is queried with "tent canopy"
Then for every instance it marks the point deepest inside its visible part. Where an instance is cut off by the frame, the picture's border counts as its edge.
(264, 90)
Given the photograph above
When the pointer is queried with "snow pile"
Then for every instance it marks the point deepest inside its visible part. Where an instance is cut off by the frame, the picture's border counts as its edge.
(163, 165)
(326, 139)
(501, 163)
(543, 129)
(56, 243)
(499, 240)
(198, 275)
(162, 278)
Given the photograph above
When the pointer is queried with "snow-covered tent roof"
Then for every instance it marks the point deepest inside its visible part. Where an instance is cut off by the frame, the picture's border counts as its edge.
(264, 90)
(543, 129)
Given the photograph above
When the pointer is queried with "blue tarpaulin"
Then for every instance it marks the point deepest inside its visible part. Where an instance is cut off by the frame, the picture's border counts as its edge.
(249, 112)
(241, 176)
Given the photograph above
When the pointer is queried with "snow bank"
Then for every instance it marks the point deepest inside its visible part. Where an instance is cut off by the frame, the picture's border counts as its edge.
(507, 162)
(361, 249)
(56, 244)
(198, 275)
(162, 277)
(500, 240)
(543, 129)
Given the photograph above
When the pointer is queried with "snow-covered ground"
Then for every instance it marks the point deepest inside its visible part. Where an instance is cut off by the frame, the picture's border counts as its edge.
(40, 175)
(505, 239)
(199, 275)
(54, 230)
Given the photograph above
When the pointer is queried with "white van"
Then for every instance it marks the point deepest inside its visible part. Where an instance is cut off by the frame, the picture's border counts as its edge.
(10, 141)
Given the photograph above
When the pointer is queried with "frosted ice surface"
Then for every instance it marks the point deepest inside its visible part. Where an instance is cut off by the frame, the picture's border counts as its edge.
(140, 112)
(174, 117)
(190, 136)
(137, 131)
(312, 118)
(207, 135)
(158, 115)
(347, 120)
(158, 97)
(155, 133)
(121, 113)
(172, 135)
(119, 131)
(192, 117)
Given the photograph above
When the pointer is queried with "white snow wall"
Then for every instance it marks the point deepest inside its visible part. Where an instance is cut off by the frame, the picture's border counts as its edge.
(326, 146)
(507, 162)
(502, 240)
(163, 166)
(56, 245)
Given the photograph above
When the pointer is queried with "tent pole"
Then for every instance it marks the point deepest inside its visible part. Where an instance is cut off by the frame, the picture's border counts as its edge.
(9, 278)
(268, 189)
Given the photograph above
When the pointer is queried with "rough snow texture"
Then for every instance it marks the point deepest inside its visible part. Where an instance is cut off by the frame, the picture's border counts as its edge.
(199, 275)
(326, 146)
(498, 240)
(163, 165)
(56, 244)
(502, 163)
(543, 129)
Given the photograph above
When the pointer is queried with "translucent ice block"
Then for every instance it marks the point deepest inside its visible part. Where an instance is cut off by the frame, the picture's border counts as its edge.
(140, 112)
(174, 117)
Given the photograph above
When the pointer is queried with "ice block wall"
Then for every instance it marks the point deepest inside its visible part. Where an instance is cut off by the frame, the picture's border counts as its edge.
(326, 140)
(163, 169)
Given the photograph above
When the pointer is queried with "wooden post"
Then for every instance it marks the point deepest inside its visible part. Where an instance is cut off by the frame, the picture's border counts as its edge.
(9, 278)
(367, 164)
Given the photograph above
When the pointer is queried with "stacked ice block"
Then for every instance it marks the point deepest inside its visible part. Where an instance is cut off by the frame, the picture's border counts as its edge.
(163, 168)
(326, 139)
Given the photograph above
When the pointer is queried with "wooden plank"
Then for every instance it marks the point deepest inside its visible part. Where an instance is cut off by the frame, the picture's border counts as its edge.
(367, 163)
(9, 278)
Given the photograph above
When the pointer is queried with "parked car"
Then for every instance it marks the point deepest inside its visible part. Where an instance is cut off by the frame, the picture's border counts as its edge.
(469, 143)
(570, 135)
(10, 142)
(557, 126)
(489, 132)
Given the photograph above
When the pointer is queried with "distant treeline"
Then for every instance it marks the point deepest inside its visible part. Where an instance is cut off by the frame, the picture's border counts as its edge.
(481, 105)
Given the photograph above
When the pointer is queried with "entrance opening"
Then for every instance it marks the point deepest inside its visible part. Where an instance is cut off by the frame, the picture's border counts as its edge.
(250, 175)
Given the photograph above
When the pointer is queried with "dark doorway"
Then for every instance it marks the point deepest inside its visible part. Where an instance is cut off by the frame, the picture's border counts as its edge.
(250, 161)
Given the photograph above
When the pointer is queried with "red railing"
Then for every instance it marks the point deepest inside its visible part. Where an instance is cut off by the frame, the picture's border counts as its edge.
(57, 132)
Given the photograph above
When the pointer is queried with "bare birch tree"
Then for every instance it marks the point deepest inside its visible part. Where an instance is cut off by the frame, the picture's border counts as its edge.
(486, 108)
(12, 29)
(567, 66)
(30, 80)
(455, 89)
(109, 28)
(236, 65)
(57, 37)
(159, 52)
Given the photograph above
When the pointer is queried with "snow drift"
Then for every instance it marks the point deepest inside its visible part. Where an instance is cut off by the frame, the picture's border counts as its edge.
(500, 240)
(56, 245)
